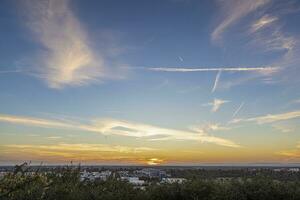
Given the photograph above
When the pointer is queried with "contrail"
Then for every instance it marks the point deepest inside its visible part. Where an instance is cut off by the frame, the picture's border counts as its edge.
(180, 58)
(10, 71)
(172, 69)
(216, 81)
(238, 109)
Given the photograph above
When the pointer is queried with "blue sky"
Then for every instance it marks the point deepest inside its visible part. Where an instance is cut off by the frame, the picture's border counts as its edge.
(140, 79)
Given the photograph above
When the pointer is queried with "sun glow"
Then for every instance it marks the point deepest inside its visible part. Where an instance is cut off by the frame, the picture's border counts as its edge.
(154, 161)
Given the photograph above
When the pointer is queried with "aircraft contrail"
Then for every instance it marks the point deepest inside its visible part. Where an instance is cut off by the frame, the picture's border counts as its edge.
(216, 82)
(238, 109)
(10, 71)
(173, 69)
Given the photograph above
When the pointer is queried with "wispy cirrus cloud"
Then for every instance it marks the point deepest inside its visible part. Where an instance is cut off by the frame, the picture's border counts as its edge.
(263, 22)
(267, 30)
(270, 118)
(234, 11)
(67, 56)
(122, 128)
(216, 104)
(273, 38)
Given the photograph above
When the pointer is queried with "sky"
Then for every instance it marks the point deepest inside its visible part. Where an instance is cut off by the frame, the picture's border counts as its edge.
(160, 82)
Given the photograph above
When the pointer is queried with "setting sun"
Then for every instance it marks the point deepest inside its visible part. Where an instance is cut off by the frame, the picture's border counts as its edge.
(154, 161)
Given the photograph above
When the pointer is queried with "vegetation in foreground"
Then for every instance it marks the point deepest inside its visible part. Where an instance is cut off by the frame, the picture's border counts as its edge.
(66, 184)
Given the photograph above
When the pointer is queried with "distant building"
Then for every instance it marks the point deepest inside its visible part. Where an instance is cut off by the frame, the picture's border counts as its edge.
(293, 169)
(123, 173)
(173, 180)
(104, 175)
(286, 169)
(91, 176)
(134, 180)
(153, 173)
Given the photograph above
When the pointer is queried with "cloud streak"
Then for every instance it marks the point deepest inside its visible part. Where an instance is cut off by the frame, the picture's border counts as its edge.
(270, 118)
(296, 101)
(122, 128)
(283, 128)
(293, 154)
(34, 121)
(78, 152)
(263, 22)
(210, 127)
(216, 104)
(85, 147)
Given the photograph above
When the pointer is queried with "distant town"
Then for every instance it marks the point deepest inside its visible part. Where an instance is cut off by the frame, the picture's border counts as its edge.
(149, 182)
(140, 176)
